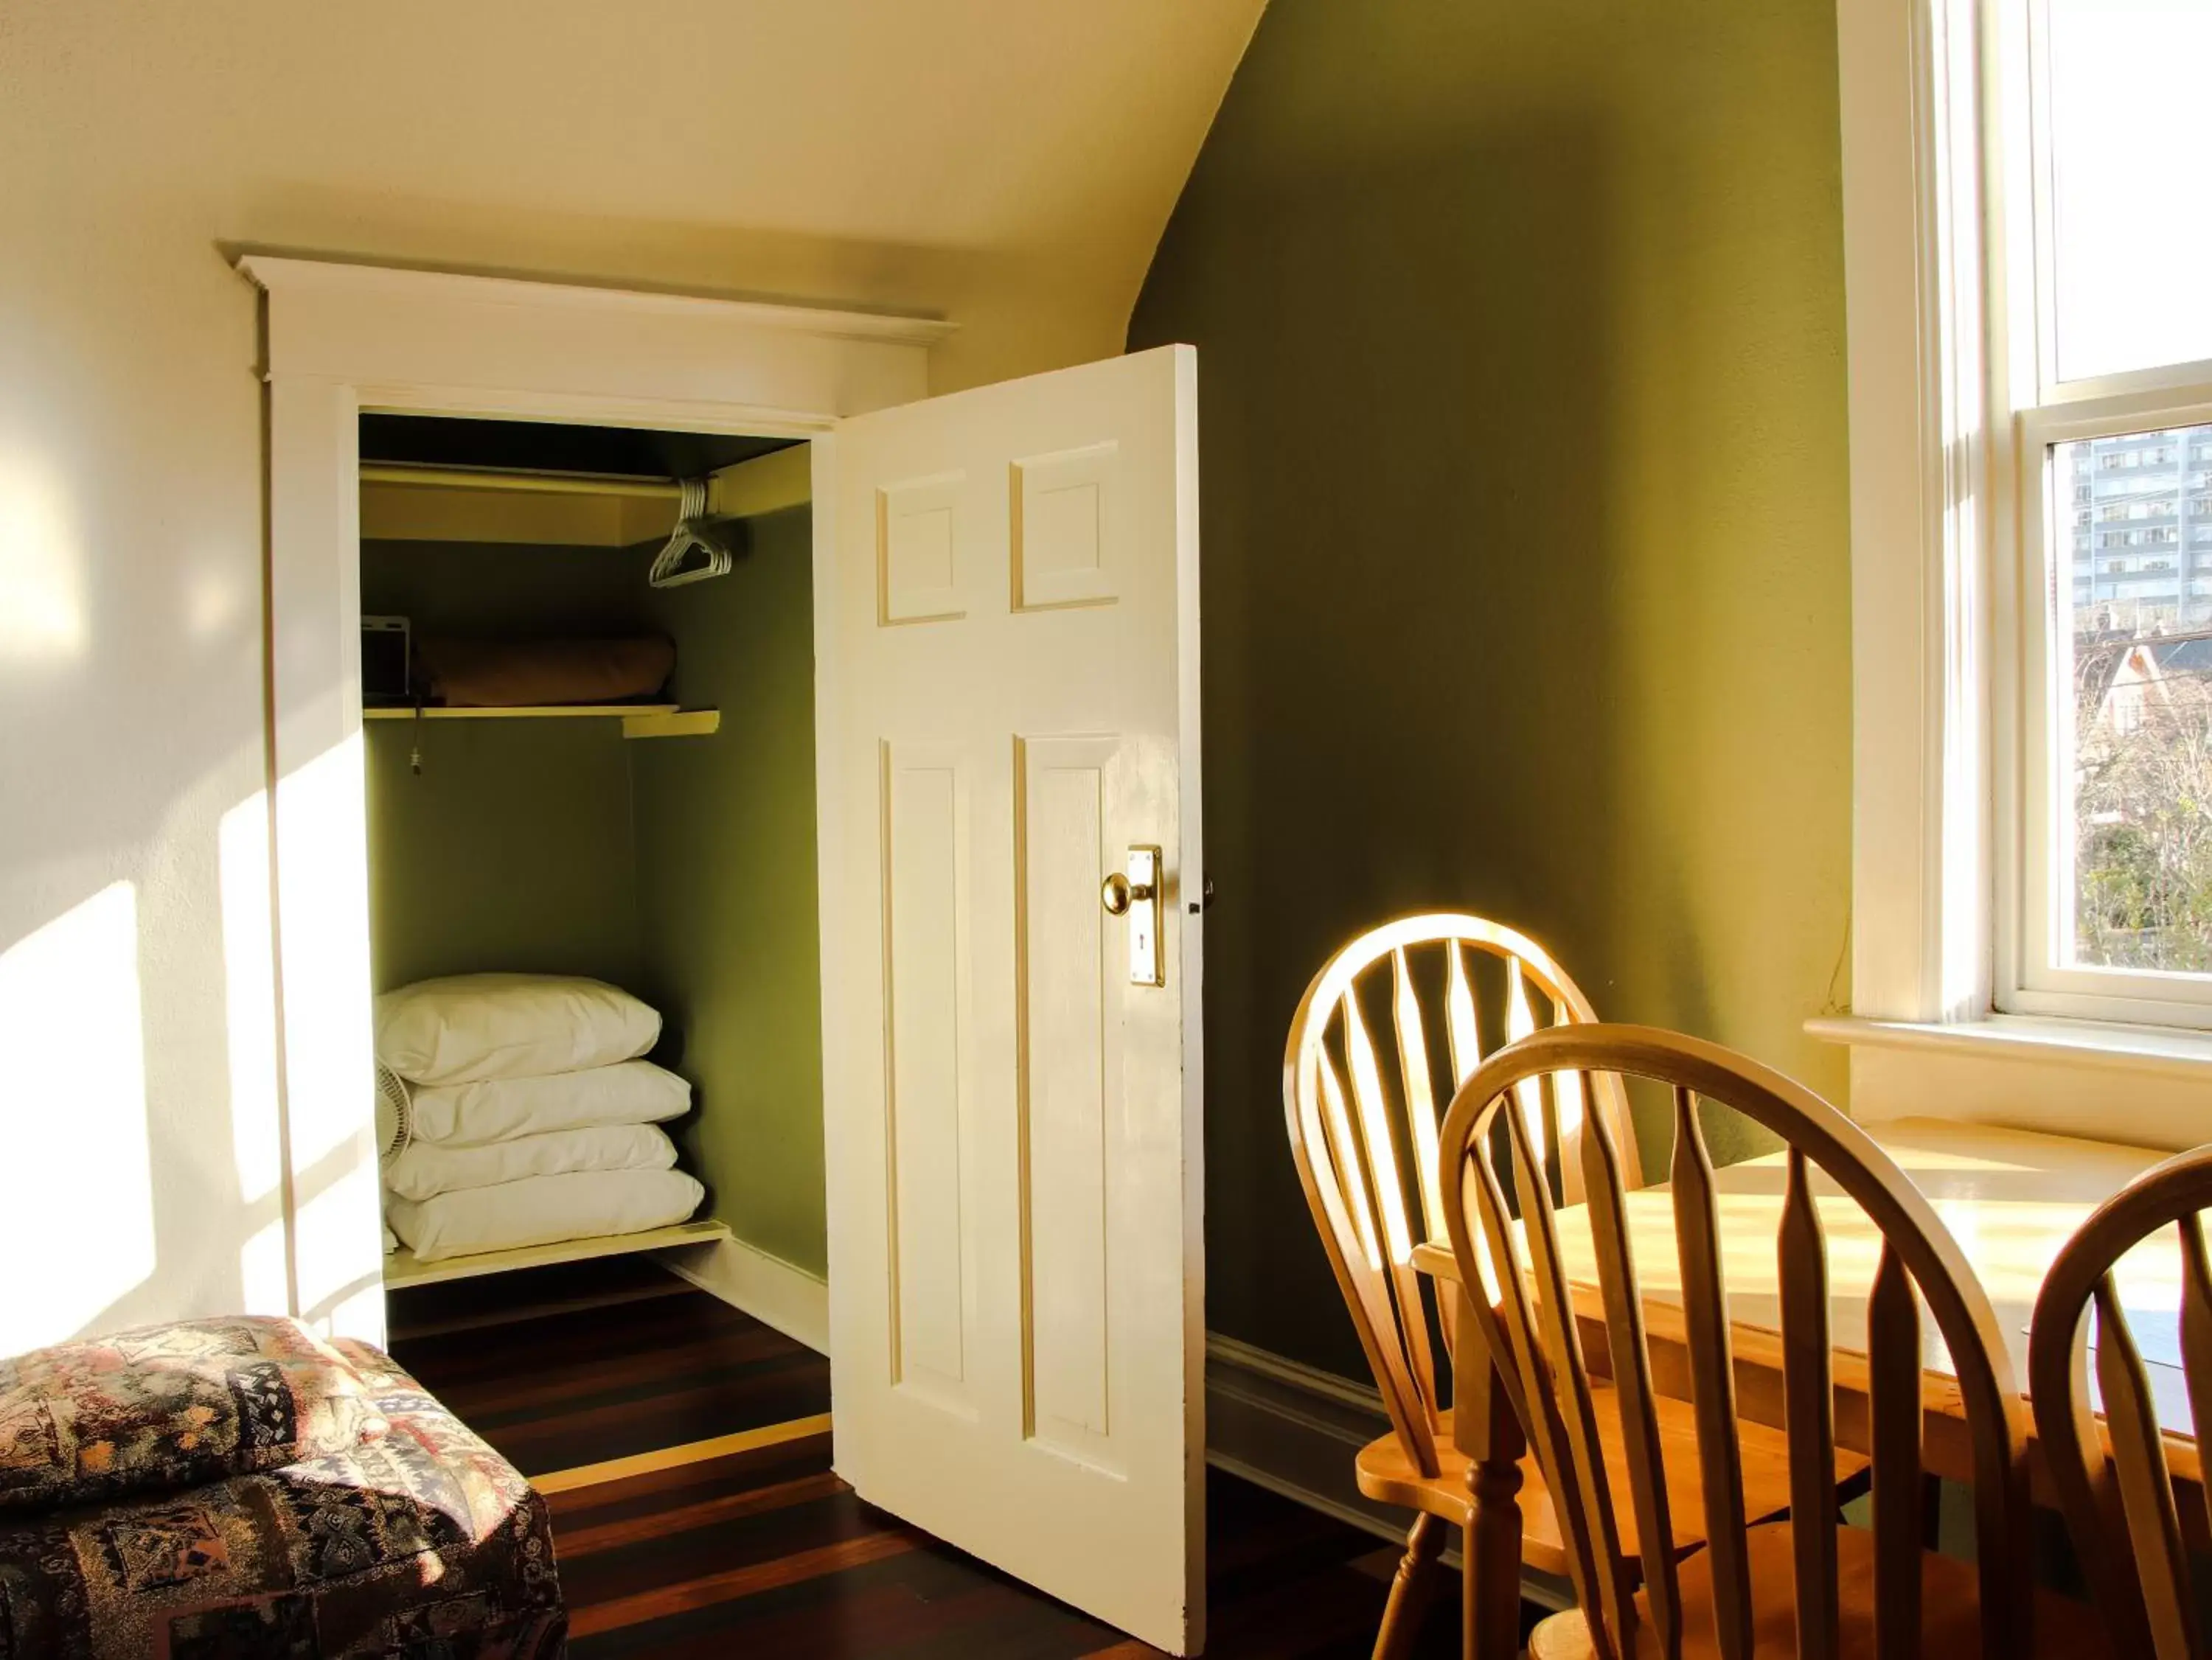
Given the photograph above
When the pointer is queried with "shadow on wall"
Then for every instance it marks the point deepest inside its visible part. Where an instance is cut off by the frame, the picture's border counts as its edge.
(1511, 603)
(1400, 479)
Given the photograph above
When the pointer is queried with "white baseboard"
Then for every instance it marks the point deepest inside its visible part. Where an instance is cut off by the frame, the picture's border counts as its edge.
(771, 1290)
(1294, 1429)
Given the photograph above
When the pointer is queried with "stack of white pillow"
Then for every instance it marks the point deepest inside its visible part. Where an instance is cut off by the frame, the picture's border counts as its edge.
(530, 1116)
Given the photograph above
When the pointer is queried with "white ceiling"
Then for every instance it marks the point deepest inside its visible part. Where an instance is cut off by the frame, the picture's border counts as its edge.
(1008, 162)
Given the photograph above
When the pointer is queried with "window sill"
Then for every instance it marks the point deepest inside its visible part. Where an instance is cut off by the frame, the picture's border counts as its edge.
(2031, 1038)
(2146, 1085)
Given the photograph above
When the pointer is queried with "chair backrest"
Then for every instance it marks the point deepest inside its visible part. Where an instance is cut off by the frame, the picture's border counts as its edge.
(2120, 1507)
(1535, 1332)
(1363, 1125)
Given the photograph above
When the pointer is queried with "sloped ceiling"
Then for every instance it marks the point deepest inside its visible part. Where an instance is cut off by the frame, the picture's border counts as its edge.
(1008, 163)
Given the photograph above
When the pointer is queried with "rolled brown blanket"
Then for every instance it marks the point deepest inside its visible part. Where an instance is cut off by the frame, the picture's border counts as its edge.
(499, 674)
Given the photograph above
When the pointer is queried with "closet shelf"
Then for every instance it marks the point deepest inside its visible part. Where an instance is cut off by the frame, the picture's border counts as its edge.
(531, 712)
(639, 720)
(401, 1268)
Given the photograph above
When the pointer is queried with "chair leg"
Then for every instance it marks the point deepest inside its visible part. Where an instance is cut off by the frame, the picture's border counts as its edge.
(1411, 1589)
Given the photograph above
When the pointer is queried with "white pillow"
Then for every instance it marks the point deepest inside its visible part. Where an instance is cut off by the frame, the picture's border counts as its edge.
(469, 1027)
(426, 1169)
(584, 1204)
(499, 1109)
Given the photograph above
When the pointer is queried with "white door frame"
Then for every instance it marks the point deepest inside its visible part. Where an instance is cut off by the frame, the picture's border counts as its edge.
(339, 339)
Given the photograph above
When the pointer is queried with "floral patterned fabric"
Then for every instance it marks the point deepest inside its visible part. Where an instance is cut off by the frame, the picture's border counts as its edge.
(172, 1406)
(421, 1545)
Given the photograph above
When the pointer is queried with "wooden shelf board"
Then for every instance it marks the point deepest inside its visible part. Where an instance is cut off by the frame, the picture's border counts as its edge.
(687, 723)
(401, 1268)
(544, 711)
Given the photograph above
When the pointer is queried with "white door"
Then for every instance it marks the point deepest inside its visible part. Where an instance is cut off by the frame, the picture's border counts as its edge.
(1010, 692)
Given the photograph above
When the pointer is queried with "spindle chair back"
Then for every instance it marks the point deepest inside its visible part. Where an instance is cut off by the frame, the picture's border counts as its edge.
(1499, 1209)
(2120, 1504)
(1364, 1121)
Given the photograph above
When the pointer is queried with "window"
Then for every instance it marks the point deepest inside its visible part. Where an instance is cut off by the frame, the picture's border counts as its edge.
(2104, 810)
(2030, 367)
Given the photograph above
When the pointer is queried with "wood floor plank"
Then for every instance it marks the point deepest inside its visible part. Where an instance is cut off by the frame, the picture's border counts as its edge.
(731, 1583)
(746, 1541)
(713, 1390)
(578, 1542)
(692, 1358)
(690, 1452)
(856, 1612)
(689, 1482)
(619, 1433)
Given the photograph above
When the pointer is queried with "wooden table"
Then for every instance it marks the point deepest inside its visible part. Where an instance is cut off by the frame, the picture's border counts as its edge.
(2012, 1198)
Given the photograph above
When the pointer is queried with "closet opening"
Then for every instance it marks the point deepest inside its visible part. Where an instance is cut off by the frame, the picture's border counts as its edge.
(588, 672)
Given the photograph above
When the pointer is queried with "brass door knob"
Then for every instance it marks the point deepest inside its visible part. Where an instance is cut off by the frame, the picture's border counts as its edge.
(1117, 894)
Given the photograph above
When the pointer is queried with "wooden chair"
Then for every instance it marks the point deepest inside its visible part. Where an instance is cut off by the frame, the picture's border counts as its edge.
(1354, 1145)
(1810, 1585)
(2120, 1505)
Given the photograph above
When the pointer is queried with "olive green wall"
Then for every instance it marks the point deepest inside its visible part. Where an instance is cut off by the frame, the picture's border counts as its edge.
(681, 869)
(513, 848)
(1526, 582)
(726, 840)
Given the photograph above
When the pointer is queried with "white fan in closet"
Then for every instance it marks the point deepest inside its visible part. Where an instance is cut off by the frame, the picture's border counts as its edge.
(395, 1114)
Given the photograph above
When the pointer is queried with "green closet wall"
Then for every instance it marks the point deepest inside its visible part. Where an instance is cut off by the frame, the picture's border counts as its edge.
(515, 847)
(1526, 569)
(681, 869)
(727, 888)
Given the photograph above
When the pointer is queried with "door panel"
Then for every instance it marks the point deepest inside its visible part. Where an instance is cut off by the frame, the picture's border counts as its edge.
(917, 574)
(1069, 1055)
(925, 972)
(1009, 688)
(1061, 545)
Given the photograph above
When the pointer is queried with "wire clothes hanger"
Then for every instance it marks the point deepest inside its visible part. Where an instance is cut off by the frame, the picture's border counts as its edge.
(693, 535)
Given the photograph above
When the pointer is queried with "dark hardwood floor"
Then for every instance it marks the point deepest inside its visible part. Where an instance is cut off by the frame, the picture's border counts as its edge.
(626, 1358)
(764, 1552)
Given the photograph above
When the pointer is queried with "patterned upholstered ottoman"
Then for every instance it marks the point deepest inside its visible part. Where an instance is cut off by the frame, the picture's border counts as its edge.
(424, 1543)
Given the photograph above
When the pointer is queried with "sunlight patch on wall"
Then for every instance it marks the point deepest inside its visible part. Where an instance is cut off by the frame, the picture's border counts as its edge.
(339, 1243)
(249, 968)
(332, 1095)
(264, 1279)
(41, 578)
(76, 1199)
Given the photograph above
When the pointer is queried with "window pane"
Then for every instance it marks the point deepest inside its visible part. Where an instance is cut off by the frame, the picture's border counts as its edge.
(2132, 523)
(2131, 241)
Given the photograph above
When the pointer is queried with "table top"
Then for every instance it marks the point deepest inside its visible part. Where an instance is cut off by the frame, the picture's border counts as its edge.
(2011, 1197)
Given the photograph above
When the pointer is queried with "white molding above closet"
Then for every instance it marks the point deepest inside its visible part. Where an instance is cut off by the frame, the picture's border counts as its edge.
(428, 340)
(338, 339)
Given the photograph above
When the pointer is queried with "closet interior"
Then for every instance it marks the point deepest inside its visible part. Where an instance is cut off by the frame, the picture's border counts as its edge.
(587, 671)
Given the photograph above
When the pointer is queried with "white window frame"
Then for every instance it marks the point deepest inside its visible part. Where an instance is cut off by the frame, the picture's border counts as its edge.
(1945, 1021)
(2035, 905)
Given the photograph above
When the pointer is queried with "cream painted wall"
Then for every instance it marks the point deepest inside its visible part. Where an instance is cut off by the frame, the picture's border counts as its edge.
(1005, 163)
